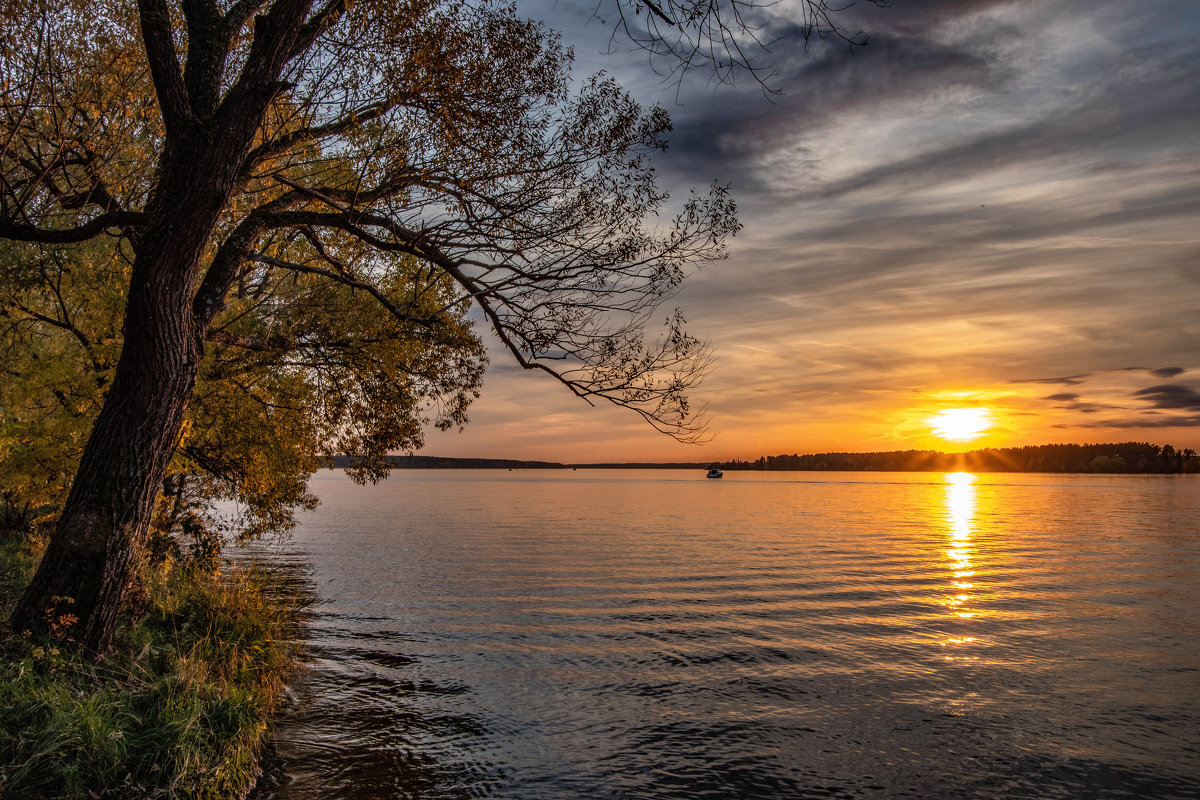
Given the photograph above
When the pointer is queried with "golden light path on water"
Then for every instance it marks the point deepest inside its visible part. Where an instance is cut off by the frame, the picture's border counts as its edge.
(960, 512)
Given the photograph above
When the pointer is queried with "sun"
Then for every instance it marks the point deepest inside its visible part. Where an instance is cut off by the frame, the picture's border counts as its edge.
(960, 424)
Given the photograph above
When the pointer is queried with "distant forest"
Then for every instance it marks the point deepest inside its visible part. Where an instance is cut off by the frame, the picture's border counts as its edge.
(437, 462)
(1127, 457)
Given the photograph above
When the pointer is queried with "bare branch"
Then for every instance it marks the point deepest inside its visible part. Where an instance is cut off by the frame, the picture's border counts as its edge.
(262, 345)
(727, 37)
(348, 280)
(119, 220)
(325, 18)
(282, 144)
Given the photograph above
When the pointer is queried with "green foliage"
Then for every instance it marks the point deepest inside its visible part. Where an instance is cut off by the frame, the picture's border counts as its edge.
(300, 370)
(177, 708)
(59, 323)
(303, 370)
(18, 558)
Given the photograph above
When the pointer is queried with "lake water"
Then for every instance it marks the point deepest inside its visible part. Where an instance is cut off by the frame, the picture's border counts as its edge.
(653, 634)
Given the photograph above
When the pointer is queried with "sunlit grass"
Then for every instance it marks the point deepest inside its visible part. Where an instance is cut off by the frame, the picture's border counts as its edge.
(177, 708)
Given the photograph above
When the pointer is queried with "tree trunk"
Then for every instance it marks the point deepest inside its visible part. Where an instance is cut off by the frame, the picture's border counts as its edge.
(78, 587)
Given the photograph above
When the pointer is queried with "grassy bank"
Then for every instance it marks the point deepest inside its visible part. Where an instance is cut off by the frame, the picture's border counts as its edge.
(177, 708)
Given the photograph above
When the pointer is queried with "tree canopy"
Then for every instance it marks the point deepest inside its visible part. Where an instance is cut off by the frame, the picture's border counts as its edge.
(338, 379)
(436, 131)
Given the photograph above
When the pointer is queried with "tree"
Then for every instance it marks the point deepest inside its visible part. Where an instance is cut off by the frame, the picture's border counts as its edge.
(409, 160)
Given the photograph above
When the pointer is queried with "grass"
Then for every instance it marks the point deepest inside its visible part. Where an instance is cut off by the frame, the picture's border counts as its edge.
(178, 708)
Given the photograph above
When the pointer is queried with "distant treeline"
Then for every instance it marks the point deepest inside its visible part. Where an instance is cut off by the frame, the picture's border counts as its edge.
(434, 462)
(1127, 457)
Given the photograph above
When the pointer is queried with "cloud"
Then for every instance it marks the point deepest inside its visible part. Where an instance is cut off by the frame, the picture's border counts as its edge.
(1069, 380)
(1075, 380)
(823, 83)
(977, 75)
(1170, 395)
(1108, 390)
(1070, 402)
(1139, 422)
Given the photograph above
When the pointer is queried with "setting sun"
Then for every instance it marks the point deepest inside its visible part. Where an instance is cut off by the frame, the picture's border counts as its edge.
(960, 424)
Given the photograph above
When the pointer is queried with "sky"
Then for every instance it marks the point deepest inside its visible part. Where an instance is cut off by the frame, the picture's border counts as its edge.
(985, 221)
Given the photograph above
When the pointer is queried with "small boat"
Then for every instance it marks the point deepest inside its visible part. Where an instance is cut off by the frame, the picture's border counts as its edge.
(715, 472)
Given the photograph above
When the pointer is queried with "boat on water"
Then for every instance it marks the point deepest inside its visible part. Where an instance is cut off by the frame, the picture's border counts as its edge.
(715, 472)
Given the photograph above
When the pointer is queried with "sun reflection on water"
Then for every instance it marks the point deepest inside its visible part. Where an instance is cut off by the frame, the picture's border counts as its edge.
(960, 509)
(960, 515)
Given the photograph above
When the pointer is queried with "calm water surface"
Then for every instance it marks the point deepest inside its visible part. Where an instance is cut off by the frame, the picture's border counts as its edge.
(652, 634)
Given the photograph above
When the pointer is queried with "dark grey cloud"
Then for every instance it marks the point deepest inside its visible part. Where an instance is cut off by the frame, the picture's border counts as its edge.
(1161, 398)
(728, 135)
(1067, 380)
(919, 12)
(1171, 395)
(1075, 380)
(1069, 401)
(1138, 422)
(1144, 99)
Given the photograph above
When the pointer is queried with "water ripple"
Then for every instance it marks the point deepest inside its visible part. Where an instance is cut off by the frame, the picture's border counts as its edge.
(646, 635)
